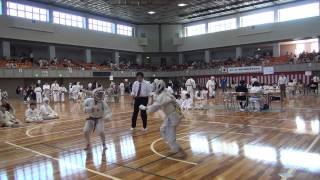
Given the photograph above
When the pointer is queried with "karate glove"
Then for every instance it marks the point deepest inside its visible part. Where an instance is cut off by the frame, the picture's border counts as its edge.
(142, 107)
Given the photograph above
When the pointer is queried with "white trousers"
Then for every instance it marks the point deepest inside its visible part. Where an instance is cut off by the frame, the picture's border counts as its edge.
(34, 119)
(62, 97)
(168, 131)
(256, 102)
(122, 92)
(75, 96)
(89, 126)
(190, 91)
(55, 96)
(39, 97)
(50, 116)
(212, 92)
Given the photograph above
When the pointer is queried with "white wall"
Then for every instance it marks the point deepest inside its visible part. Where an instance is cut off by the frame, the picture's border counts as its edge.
(302, 28)
(23, 29)
(152, 33)
(168, 32)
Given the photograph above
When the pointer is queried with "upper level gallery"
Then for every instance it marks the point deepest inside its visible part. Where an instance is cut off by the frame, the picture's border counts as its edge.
(27, 20)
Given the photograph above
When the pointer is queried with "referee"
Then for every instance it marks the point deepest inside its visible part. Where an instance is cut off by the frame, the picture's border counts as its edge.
(141, 90)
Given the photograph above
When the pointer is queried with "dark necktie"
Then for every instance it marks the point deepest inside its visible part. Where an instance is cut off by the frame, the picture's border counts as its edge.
(139, 90)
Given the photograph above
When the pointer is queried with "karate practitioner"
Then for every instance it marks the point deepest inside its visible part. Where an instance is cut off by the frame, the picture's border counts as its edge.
(46, 90)
(187, 103)
(55, 88)
(98, 112)
(191, 86)
(167, 103)
(63, 91)
(46, 111)
(32, 114)
(38, 92)
(75, 91)
(211, 86)
(7, 114)
(122, 88)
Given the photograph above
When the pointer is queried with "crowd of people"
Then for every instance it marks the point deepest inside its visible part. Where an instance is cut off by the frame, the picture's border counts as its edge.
(256, 60)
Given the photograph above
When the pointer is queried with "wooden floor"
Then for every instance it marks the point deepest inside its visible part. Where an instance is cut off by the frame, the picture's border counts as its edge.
(220, 145)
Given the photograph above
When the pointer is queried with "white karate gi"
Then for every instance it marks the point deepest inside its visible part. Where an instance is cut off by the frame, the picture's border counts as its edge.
(38, 92)
(75, 92)
(256, 100)
(47, 112)
(46, 90)
(183, 94)
(63, 90)
(122, 88)
(98, 112)
(33, 115)
(211, 86)
(55, 88)
(167, 103)
(191, 86)
(187, 104)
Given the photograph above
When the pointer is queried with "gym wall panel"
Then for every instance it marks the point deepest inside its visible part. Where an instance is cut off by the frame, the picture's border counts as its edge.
(289, 30)
(60, 34)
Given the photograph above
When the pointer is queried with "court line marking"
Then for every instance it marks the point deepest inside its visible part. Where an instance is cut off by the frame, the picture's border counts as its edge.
(28, 132)
(292, 171)
(52, 122)
(56, 159)
(187, 162)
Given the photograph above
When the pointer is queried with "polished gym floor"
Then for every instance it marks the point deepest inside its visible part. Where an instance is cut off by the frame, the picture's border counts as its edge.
(222, 145)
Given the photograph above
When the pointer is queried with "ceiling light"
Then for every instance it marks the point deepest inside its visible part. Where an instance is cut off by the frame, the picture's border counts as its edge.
(151, 12)
(182, 4)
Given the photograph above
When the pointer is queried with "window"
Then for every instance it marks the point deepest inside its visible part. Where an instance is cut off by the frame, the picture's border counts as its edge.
(124, 30)
(195, 30)
(98, 25)
(223, 25)
(0, 7)
(256, 19)
(299, 12)
(27, 12)
(68, 19)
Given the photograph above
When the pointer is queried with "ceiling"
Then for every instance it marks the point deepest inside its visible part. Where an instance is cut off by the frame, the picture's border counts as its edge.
(167, 11)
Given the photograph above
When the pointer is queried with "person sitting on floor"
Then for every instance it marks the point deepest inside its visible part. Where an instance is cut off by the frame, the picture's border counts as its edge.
(46, 111)
(255, 99)
(7, 114)
(187, 103)
(242, 90)
(32, 114)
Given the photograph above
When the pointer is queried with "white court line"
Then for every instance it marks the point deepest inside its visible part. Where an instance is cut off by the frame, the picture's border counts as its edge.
(161, 155)
(292, 171)
(28, 132)
(69, 164)
(181, 138)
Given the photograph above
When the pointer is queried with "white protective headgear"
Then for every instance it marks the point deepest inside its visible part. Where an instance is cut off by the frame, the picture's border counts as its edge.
(160, 86)
(98, 94)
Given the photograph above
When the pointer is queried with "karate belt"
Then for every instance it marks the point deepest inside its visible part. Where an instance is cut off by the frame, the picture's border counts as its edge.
(95, 120)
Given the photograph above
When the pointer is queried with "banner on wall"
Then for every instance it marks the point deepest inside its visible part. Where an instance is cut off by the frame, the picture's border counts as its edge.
(268, 70)
(247, 69)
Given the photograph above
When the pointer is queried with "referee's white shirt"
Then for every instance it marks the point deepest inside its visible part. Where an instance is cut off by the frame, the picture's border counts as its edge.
(145, 89)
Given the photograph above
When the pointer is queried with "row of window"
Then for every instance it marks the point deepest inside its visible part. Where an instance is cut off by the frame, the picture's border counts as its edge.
(40, 14)
(285, 14)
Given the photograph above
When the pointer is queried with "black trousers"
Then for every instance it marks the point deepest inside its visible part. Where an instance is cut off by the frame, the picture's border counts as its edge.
(137, 102)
